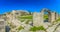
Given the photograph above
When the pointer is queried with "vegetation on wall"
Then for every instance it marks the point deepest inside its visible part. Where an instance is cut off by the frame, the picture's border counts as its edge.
(56, 21)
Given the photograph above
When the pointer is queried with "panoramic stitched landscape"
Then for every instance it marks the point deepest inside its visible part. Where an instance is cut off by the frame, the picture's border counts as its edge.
(26, 21)
(29, 15)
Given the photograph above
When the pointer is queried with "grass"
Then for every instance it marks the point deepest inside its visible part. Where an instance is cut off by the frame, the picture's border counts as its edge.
(29, 17)
(22, 18)
(34, 28)
(57, 20)
(41, 28)
(19, 28)
(45, 16)
(25, 17)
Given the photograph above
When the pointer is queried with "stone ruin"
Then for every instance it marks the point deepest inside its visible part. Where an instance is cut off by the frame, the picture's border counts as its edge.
(2, 25)
(38, 18)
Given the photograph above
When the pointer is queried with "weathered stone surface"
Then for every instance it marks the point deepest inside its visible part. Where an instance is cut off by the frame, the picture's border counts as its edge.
(52, 28)
(37, 19)
(57, 29)
(23, 30)
(2, 25)
(53, 17)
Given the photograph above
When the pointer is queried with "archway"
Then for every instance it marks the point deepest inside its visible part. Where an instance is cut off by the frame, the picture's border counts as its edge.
(46, 15)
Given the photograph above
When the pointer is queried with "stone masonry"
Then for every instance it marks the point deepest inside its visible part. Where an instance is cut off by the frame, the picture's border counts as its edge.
(39, 20)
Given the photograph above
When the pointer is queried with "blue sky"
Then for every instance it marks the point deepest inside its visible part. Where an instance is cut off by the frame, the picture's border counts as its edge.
(30, 5)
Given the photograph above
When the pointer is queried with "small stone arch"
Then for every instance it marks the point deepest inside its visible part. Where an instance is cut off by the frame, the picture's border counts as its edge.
(49, 14)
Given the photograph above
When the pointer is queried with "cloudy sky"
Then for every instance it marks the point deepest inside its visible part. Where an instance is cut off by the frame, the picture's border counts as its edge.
(30, 5)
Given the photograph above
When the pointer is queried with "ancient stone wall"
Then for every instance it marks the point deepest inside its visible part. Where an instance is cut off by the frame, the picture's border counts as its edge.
(2, 25)
(38, 18)
(57, 15)
(53, 16)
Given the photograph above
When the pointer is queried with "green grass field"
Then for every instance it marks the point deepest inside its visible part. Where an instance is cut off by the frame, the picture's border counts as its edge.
(25, 17)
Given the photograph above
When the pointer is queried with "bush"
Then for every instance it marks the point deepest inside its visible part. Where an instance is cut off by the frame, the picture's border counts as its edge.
(34, 28)
(40, 28)
(19, 28)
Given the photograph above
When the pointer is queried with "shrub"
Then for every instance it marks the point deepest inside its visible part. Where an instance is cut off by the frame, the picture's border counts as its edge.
(40, 28)
(19, 28)
(34, 28)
